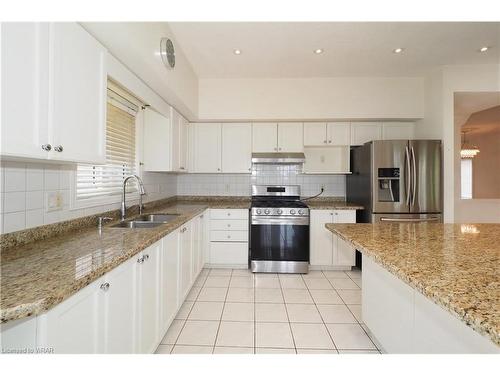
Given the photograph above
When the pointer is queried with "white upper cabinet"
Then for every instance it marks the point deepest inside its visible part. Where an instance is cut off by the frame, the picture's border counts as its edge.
(290, 137)
(338, 133)
(25, 85)
(236, 148)
(315, 134)
(206, 150)
(327, 134)
(265, 137)
(398, 130)
(77, 114)
(183, 144)
(55, 76)
(157, 135)
(362, 132)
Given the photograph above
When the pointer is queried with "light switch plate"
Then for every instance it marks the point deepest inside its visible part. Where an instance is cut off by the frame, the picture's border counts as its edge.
(54, 201)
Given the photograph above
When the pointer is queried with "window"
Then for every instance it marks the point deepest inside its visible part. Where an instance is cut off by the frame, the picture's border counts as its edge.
(466, 177)
(99, 182)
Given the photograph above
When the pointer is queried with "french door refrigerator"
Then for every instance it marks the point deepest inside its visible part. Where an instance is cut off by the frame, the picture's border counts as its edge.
(397, 181)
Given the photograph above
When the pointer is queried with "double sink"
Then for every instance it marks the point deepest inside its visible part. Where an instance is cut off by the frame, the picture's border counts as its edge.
(146, 221)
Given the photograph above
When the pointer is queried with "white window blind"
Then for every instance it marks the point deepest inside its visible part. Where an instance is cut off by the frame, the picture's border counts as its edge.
(99, 181)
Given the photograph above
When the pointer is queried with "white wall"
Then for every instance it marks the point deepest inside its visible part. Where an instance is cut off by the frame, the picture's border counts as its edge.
(137, 45)
(311, 98)
(439, 122)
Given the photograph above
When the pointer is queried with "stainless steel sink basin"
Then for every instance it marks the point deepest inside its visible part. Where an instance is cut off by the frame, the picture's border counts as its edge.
(158, 218)
(137, 224)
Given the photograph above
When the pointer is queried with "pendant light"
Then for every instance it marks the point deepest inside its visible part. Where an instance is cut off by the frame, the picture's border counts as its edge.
(468, 150)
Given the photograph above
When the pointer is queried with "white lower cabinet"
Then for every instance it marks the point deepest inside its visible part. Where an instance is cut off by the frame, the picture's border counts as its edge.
(148, 307)
(326, 249)
(73, 325)
(228, 237)
(185, 259)
(128, 310)
(117, 301)
(169, 286)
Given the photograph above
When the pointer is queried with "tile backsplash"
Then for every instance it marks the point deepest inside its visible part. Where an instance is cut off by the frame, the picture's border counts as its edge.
(271, 174)
(24, 188)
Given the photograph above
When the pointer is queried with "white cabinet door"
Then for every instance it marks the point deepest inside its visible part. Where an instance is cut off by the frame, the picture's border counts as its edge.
(117, 305)
(236, 148)
(229, 253)
(290, 137)
(73, 326)
(343, 253)
(175, 140)
(148, 298)
(206, 148)
(169, 289)
(338, 133)
(315, 134)
(362, 132)
(265, 137)
(186, 259)
(204, 240)
(25, 85)
(157, 137)
(183, 144)
(398, 130)
(320, 238)
(77, 114)
(195, 246)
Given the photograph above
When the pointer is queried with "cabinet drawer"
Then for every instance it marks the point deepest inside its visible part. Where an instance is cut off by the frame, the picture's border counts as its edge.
(229, 225)
(344, 216)
(228, 214)
(229, 236)
(229, 253)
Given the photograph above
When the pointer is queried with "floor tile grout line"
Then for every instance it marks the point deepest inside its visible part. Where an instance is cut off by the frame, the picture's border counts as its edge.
(288, 316)
(222, 312)
(187, 316)
(321, 316)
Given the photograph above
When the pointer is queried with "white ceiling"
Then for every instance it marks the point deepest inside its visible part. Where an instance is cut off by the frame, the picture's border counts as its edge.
(285, 49)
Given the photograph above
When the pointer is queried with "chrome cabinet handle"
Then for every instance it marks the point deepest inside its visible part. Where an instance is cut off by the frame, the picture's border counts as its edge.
(140, 260)
(58, 148)
(279, 148)
(183, 230)
(330, 141)
(228, 236)
(146, 257)
(46, 147)
(105, 286)
(181, 168)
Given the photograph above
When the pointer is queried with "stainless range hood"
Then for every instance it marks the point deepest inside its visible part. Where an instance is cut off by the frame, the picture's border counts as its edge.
(278, 158)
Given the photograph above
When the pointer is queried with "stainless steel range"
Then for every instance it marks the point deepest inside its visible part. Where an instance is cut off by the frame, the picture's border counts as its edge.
(279, 230)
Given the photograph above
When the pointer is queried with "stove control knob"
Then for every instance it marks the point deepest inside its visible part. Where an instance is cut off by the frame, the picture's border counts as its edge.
(259, 211)
(301, 212)
(266, 211)
(292, 212)
(280, 211)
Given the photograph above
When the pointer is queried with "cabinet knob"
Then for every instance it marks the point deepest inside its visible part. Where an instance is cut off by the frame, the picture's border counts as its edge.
(46, 147)
(146, 257)
(228, 236)
(279, 148)
(182, 168)
(218, 169)
(58, 148)
(330, 141)
(140, 260)
(105, 286)
(276, 149)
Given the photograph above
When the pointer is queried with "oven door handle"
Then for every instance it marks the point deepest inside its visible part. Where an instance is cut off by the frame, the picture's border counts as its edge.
(266, 220)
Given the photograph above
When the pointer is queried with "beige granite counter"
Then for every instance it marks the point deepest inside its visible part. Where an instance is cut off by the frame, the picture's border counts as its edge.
(454, 265)
(38, 274)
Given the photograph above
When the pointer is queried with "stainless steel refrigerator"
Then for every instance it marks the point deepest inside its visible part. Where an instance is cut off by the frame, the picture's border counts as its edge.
(397, 181)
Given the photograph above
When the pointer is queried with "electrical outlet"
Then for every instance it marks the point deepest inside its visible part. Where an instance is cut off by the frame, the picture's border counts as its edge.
(54, 201)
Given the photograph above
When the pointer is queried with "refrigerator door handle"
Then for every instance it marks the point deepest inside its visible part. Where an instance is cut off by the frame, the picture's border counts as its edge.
(409, 220)
(407, 175)
(414, 177)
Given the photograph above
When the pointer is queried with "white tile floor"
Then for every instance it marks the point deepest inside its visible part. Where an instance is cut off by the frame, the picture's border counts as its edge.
(234, 311)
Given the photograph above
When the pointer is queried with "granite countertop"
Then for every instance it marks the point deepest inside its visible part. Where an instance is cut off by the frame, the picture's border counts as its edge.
(37, 275)
(332, 205)
(454, 265)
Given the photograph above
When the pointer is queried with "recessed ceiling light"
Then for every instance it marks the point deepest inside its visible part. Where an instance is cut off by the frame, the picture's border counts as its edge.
(398, 50)
(237, 52)
(318, 51)
(484, 49)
